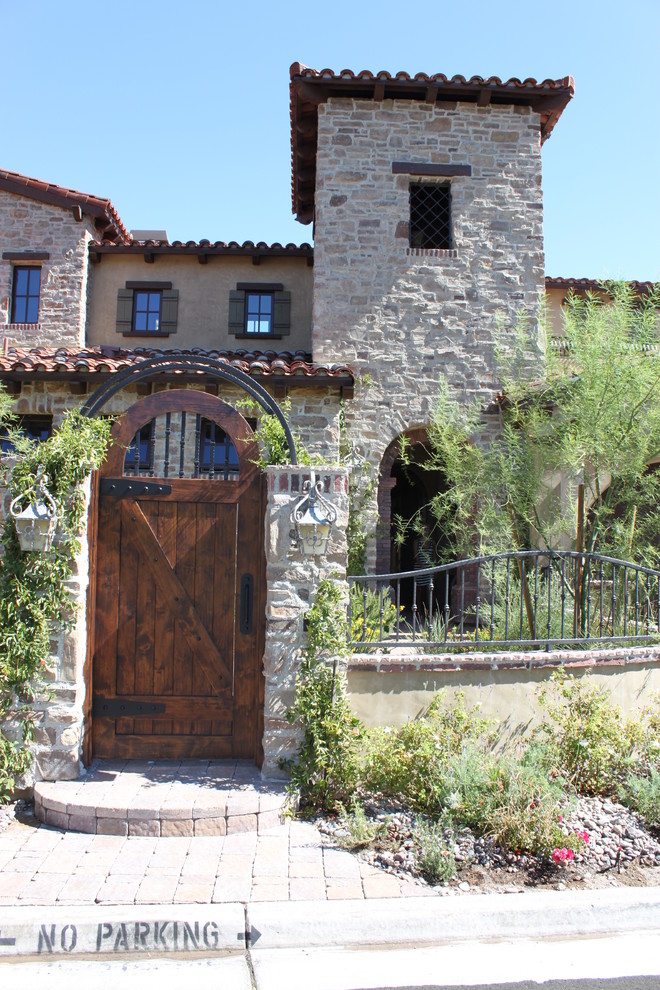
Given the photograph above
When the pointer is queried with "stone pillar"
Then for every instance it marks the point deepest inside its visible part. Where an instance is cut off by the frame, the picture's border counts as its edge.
(291, 582)
(58, 739)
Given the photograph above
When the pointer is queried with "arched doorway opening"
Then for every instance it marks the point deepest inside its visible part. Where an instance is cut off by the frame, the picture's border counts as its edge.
(409, 539)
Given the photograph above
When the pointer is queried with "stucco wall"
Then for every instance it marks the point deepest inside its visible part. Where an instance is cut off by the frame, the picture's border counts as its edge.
(203, 299)
(390, 691)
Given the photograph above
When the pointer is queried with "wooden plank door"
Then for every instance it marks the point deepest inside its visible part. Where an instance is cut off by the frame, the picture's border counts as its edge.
(179, 582)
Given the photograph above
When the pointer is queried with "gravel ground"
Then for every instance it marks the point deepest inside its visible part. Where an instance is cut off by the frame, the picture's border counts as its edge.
(617, 841)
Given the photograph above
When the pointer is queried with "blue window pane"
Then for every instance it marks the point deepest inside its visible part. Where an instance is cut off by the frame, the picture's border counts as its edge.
(20, 309)
(266, 305)
(140, 450)
(32, 315)
(34, 281)
(36, 428)
(140, 321)
(21, 276)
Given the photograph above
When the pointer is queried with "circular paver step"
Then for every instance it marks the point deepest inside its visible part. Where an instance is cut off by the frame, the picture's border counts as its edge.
(161, 798)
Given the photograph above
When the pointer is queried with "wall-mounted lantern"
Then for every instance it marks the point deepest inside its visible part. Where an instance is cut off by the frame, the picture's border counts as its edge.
(313, 516)
(35, 526)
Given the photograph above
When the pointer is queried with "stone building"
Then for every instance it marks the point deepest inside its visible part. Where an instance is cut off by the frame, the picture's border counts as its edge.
(426, 198)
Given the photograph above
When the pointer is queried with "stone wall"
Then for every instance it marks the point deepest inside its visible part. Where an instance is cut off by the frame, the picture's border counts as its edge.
(27, 225)
(291, 580)
(402, 317)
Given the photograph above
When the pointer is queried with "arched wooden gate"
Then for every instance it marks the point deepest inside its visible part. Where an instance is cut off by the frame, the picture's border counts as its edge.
(178, 627)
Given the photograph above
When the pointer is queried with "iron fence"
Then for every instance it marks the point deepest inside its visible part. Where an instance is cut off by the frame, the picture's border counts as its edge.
(532, 599)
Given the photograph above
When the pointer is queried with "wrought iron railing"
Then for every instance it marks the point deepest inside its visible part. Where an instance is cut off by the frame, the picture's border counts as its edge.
(533, 599)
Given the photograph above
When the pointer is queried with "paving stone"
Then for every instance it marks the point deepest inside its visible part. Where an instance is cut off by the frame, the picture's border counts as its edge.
(235, 866)
(240, 844)
(242, 803)
(11, 884)
(210, 826)
(142, 827)
(194, 893)
(111, 826)
(307, 889)
(156, 890)
(57, 818)
(267, 820)
(118, 890)
(306, 870)
(181, 827)
(340, 864)
(384, 885)
(269, 866)
(269, 889)
(343, 890)
(43, 888)
(61, 862)
(83, 823)
(229, 889)
(241, 823)
(81, 888)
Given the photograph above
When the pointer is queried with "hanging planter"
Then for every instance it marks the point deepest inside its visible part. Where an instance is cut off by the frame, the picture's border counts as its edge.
(35, 525)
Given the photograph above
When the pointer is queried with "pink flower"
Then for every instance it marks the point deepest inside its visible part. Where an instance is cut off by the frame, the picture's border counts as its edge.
(584, 836)
(561, 855)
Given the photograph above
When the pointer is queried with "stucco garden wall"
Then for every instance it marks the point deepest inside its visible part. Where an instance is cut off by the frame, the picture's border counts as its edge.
(390, 690)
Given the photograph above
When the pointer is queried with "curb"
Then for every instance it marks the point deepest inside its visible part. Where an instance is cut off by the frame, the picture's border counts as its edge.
(118, 931)
(423, 922)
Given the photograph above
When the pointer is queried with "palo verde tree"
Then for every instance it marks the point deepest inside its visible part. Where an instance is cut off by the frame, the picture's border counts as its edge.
(594, 420)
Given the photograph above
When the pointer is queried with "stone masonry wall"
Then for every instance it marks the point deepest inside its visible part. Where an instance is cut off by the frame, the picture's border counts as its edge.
(406, 317)
(291, 581)
(27, 225)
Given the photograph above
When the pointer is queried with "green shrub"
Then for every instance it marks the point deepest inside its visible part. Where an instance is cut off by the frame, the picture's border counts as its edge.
(435, 854)
(325, 771)
(361, 832)
(586, 738)
(410, 762)
(367, 622)
(642, 794)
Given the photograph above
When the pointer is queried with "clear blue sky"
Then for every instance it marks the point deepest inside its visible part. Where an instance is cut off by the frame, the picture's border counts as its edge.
(179, 112)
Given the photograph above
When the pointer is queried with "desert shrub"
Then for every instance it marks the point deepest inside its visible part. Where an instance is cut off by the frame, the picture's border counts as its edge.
(410, 762)
(586, 738)
(642, 794)
(434, 851)
(360, 830)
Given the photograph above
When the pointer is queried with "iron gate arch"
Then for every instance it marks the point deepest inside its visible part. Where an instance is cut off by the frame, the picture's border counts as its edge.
(198, 364)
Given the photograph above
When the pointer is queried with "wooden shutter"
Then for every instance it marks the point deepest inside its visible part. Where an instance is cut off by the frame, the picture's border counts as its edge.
(281, 312)
(125, 311)
(169, 311)
(236, 312)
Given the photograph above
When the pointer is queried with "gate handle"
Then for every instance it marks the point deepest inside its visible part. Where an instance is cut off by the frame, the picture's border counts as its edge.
(247, 601)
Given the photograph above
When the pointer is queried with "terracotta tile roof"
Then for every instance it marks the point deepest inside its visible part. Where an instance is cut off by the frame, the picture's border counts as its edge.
(584, 284)
(203, 248)
(310, 87)
(90, 363)
(106, 217)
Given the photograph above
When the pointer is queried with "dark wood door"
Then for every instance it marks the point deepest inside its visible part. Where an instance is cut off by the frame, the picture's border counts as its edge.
(178, 619)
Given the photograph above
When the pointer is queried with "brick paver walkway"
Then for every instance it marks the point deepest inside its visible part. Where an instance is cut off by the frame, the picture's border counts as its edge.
(41, 864)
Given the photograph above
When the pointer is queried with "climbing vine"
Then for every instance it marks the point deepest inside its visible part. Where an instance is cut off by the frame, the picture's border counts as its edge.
(34, 592)
(326, 768)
